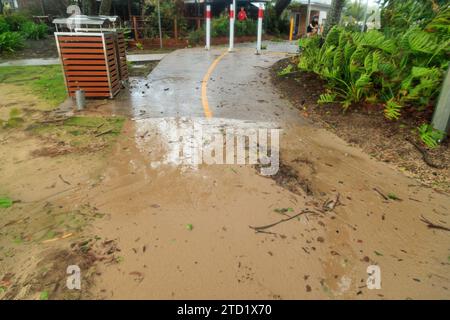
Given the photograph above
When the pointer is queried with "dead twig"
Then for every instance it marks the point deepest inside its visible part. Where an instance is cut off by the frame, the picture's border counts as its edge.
(104, 132)
(425, 155)
(380, 193)
(330, 204)
(432, 225)
(258, 229)
(63, 180)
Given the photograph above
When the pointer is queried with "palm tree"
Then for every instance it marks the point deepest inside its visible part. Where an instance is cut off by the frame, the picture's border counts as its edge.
(105, 7)
(334, 15)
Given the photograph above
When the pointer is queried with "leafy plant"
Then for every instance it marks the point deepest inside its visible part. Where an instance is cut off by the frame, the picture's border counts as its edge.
(11, 41)
(398, 71)
(286, 70)
(196, 37)
(430, 136)
(392, 110)
(4, 26)
(5, 202)
(140, 46)
(15, 20)
(34, 31)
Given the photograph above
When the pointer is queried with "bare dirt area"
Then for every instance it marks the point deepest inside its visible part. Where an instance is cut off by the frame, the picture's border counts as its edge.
(392, 142)
(43, 157)
(140, 224)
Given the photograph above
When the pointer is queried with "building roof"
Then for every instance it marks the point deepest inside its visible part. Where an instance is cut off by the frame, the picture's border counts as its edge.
(326, 3)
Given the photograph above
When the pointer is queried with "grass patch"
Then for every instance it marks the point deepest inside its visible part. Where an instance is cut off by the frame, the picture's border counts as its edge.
(82, 133)
(47, 82)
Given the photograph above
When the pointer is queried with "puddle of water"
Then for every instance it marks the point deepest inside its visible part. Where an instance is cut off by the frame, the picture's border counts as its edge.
(189, 142)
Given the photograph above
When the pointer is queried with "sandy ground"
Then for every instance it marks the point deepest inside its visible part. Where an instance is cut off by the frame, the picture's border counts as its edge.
(158, 229)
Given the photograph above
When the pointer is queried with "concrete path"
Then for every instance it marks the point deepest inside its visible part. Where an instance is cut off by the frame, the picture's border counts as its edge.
(287, 47)
(54, 61)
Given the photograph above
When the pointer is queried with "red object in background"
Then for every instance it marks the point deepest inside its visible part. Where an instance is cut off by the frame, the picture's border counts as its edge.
(260, 13)
(242, 15)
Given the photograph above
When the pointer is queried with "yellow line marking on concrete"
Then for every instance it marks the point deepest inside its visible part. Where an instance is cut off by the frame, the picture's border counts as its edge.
(206, 110)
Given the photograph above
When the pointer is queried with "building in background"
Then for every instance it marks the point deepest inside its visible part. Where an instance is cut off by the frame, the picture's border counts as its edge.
(299, 11)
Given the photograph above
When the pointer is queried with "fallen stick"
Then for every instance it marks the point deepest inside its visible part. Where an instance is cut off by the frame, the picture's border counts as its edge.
(381, 193)
(104, 132)
(65, 181)
(280, 221)
(330, 204)
(425, 155)
(432, 225)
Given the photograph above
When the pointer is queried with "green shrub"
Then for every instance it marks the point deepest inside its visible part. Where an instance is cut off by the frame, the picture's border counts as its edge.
(4, 26)
(15, 20)
(274, 24)
(405, 70)
(220, 26)
(430, 136)
(11, 41)
(245, 28)
(34, 31)
(196, 37)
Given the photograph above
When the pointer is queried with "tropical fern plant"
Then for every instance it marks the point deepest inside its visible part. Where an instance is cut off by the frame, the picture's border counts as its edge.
(430, 136)
(399, 70)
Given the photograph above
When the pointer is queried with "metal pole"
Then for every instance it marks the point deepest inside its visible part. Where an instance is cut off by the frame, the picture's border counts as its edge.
(308, 16)
(159, 25)
(365, 16)
(208, 27)
(441, 116)
(291, 28)
(260, 18)
(232, 12)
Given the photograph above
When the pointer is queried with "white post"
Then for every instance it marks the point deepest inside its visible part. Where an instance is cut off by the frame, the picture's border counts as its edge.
(232, 13)
(208, 27)
(159, 26)
(365, 16)
(308, 16)
(260, 18)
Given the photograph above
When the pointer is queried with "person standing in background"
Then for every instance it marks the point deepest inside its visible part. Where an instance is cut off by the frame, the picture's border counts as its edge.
(242, 15)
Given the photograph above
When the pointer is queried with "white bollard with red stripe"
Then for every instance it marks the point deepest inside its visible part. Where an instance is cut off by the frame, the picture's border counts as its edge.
(232, 18)
(208, 27)
(260, 18)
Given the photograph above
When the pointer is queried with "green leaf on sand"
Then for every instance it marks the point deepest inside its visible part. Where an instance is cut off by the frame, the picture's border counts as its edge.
(5, 202)
(43, 295)
(189, 227)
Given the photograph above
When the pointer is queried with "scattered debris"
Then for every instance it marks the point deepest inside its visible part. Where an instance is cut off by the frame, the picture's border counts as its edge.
(330, 204)
(62, 179)
(258, 229)
(380, 193)
(425, 156)
(432, 225)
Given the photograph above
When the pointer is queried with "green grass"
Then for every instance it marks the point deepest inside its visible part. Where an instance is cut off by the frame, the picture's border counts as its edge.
(81, 131)
(47, 82)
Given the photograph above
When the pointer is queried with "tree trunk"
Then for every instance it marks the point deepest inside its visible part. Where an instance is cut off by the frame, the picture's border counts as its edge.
(142, 8)
(280, 5)
(105, 7)
(334, 15)
(129, 10)
(89, 7)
